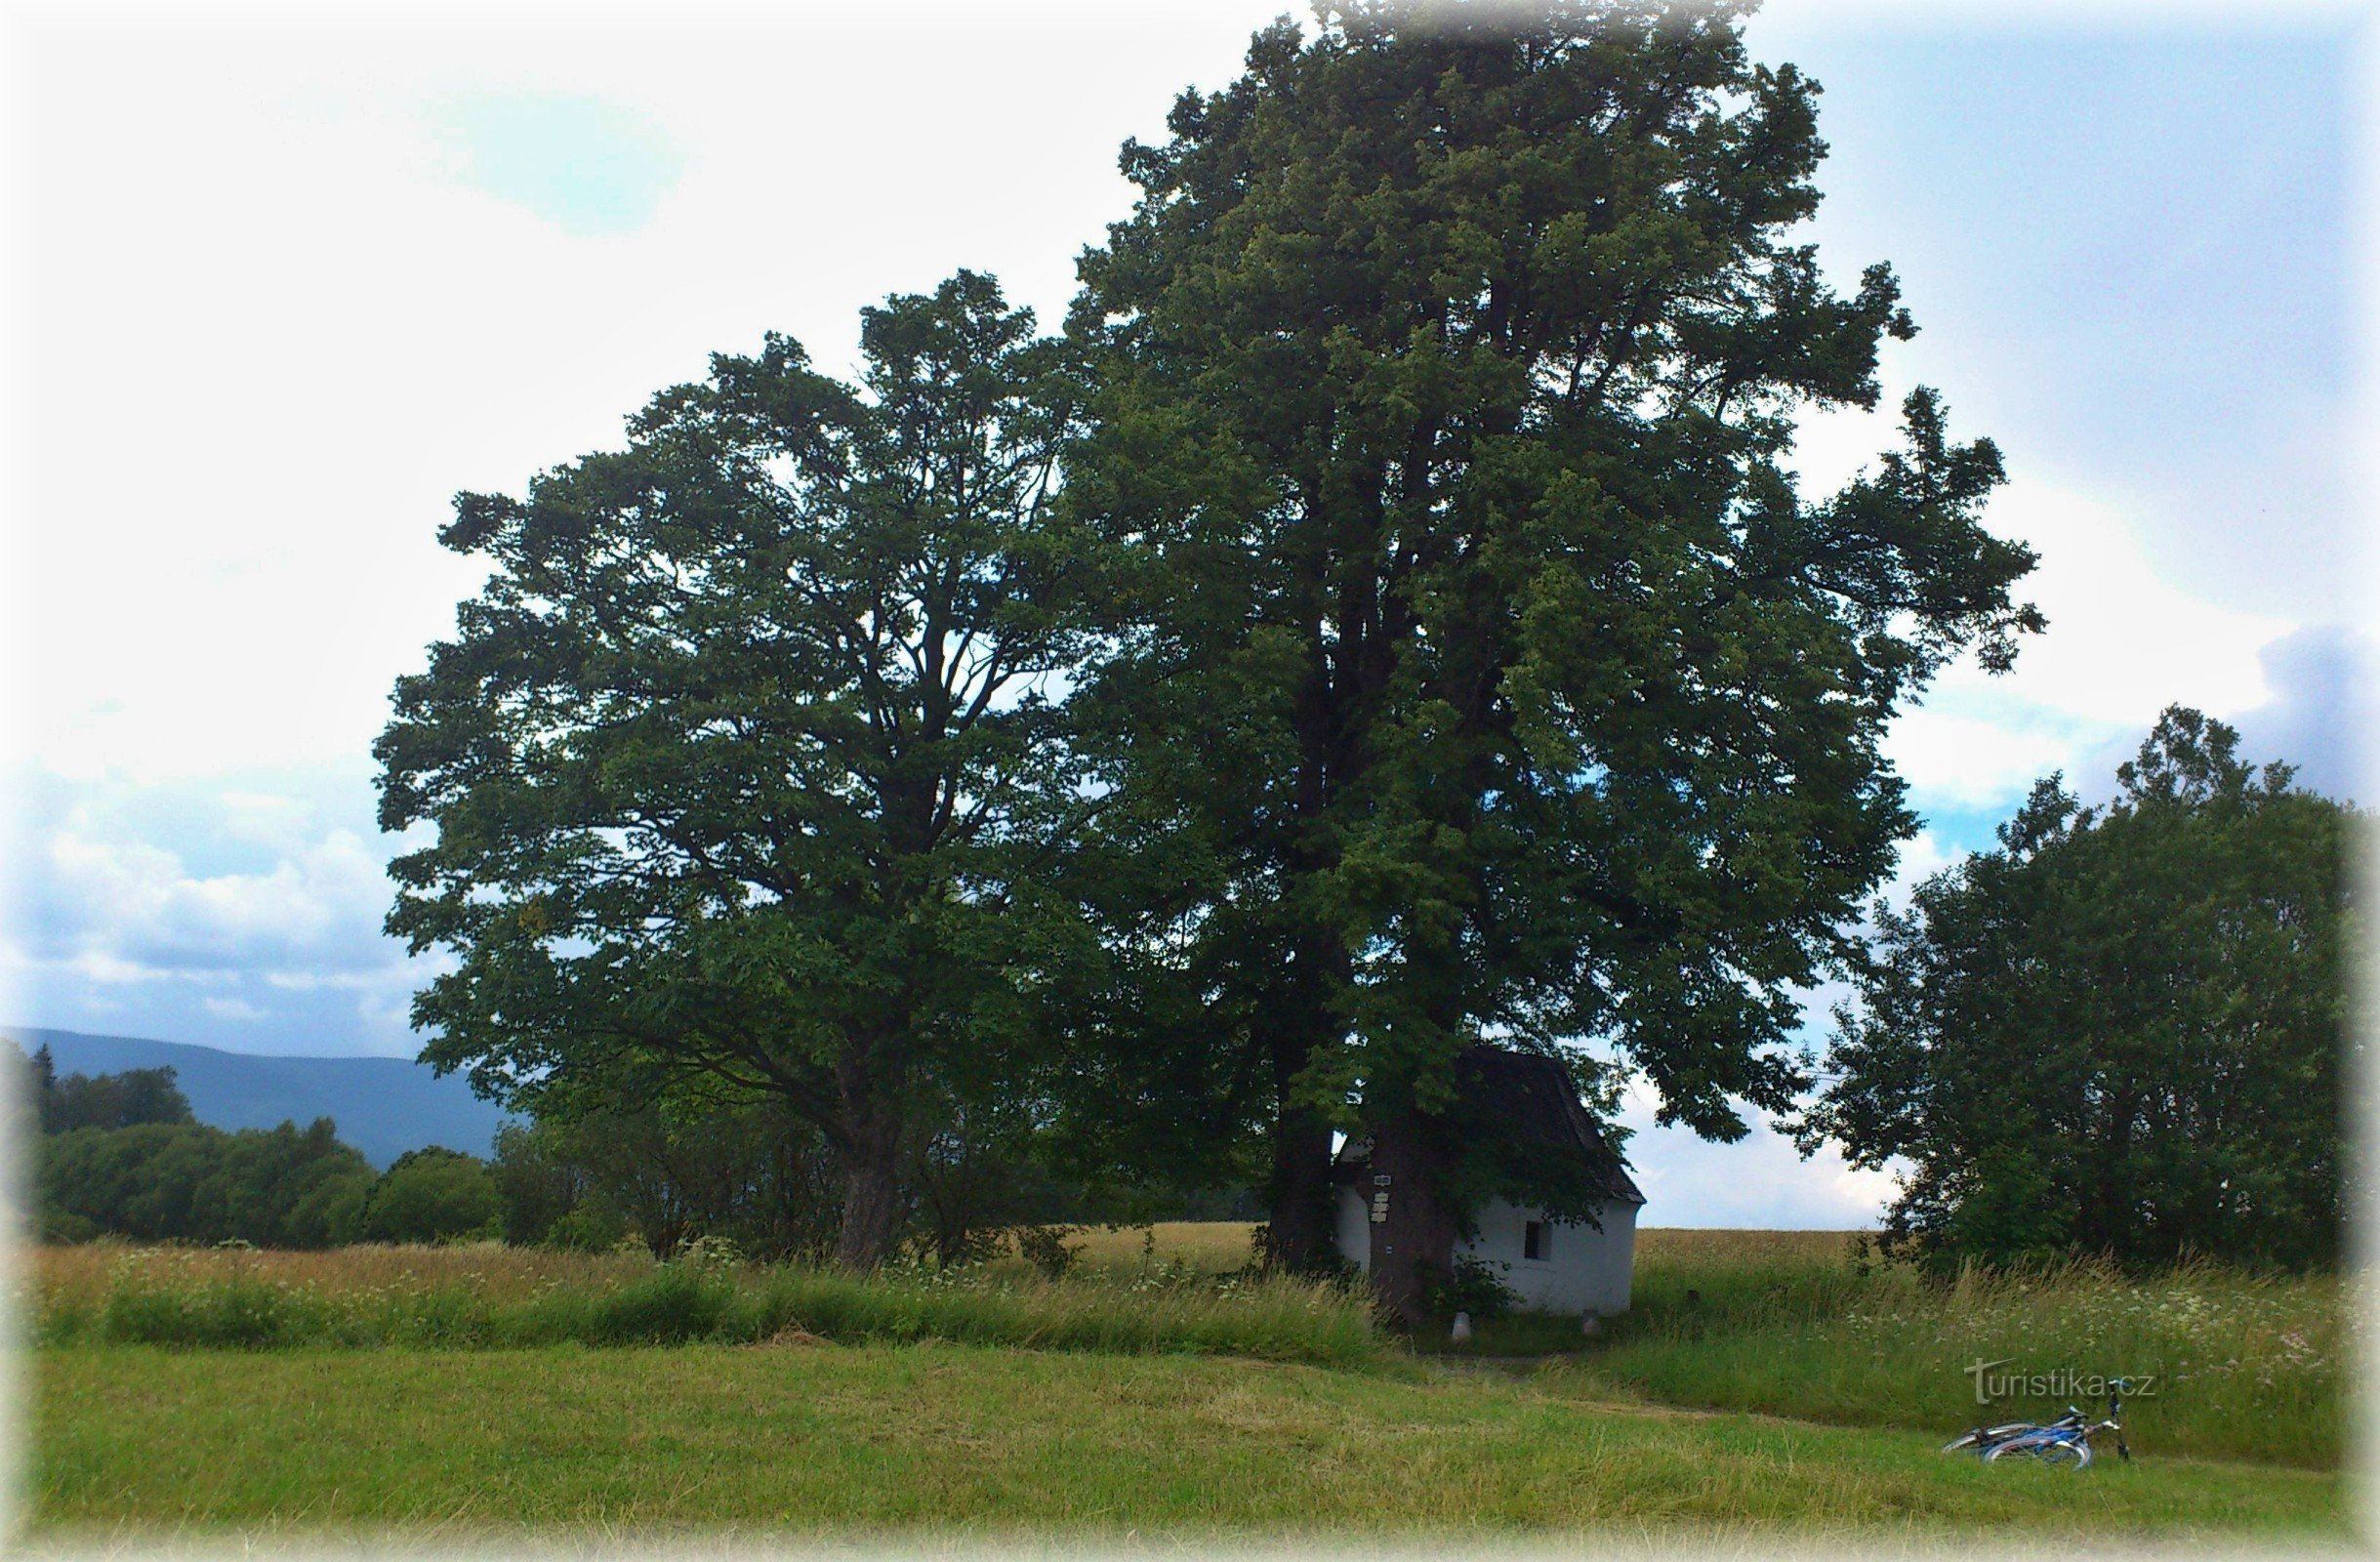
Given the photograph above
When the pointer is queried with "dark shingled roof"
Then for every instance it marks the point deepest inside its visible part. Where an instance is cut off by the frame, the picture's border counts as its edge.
(1534, 1095)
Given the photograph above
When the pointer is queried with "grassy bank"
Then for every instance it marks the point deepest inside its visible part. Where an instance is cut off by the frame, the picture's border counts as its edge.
(823, 1440)
(490, 1297)
(1792, 1324)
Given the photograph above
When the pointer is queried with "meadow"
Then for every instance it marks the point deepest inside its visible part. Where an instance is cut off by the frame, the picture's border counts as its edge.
(2225, 1365)
(1763, 1380)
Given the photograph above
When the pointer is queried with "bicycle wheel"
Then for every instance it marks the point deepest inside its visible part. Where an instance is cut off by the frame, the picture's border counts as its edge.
(1976, 1439)
(2065, 1454)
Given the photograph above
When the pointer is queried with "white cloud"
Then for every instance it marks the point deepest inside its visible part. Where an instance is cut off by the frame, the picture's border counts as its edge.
(2122, 645)
(1970, 761)
(2123, 642)
(104, 968)
(144, 900)
(1758, 1181)
(276, 336)
(256, 927)
(1923, 855)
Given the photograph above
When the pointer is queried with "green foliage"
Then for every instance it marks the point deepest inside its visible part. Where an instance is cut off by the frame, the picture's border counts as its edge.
(434, 1195)
(671, 1168)
(690, 1166)
(1475, 1287)
(1047, 1249)
(175, 1180)
(281, 1187)
(746, 765)
(119, 1100)
(985, 1174)
(2124, 1031)
(588, 1229)
(536, 1188)
(238, 1312)
(1488, 672)
(678, 1302)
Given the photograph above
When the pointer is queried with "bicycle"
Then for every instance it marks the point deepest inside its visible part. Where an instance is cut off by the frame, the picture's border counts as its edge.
(2067, 1441)
(1983, 1439)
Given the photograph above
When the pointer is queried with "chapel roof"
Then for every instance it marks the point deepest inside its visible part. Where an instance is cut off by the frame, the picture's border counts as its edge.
(1534, 1097)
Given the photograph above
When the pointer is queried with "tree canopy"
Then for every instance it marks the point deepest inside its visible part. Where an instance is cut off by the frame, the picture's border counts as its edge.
(2121, 1032)
(747, 762)
(433, 1194)
(1483, 655)
(117, 1100)
(283, 1187)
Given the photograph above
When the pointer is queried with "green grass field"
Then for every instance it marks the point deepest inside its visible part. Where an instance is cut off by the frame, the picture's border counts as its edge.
(950, 1438)
(466, 1391)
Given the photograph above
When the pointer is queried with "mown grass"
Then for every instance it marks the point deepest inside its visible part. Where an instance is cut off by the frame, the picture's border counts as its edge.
(490, 1297)
(136, 1443)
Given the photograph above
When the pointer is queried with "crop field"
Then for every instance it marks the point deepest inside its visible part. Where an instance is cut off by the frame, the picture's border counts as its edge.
(480, 1391)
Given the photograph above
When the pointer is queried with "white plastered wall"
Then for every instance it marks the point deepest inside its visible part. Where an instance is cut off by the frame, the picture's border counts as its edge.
(1583, 1270)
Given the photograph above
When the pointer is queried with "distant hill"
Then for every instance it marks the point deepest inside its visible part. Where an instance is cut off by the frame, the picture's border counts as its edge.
(384, 1106)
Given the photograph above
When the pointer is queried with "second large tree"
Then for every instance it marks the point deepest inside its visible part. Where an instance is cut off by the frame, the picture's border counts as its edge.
(745, 762)
(1487, 651)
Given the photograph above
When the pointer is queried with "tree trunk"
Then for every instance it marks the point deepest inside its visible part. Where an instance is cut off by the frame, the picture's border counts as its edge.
(870, 1170)
(871, 1202)
(1299, 1018)
(1299, 1236)
(1414, 1246)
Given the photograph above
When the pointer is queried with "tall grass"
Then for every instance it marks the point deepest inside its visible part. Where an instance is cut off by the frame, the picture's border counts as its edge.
(2235, 1365)
(492, 1297)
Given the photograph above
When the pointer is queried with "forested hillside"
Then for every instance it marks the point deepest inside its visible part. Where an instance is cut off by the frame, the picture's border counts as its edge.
(384, 1106)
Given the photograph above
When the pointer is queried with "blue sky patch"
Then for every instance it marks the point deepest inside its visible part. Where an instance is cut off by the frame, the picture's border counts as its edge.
(587, 166)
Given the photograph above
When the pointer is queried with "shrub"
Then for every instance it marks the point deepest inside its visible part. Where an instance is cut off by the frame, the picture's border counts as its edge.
(1475, 1287)
(587, 1229)
(1045, 1248)
(434, 1195)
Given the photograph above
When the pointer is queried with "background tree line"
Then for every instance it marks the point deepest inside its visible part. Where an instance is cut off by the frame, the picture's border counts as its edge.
(120, 1154)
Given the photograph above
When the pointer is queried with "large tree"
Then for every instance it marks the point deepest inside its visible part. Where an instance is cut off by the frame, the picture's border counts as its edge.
(744, 763)
(2124, 1031)
(1488, 657)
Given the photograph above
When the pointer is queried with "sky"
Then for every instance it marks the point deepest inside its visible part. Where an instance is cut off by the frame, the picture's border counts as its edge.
(276, 293)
